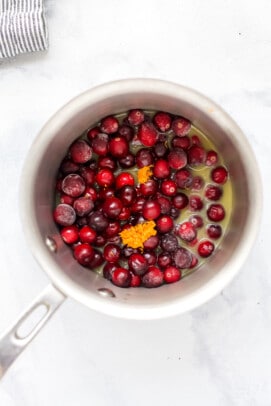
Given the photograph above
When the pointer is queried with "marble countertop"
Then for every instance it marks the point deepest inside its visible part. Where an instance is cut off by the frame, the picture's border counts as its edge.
(218, 354)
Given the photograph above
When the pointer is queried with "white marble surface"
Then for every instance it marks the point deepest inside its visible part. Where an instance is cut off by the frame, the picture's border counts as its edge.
(218, 354)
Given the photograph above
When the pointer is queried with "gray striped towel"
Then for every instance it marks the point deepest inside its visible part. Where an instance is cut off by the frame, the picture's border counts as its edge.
(22, 27)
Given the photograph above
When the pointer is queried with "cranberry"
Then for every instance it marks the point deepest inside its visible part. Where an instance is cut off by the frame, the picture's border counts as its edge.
(195, 140)
(135, 117)
(164, 224)
(150, 257)
(128, 251)
(69, 234)
(162, 121)
(73, 185)
(164, 204)
(180, 201)
(135, 281)
(83, 206)
(109, 125)
(195, 203)
(160, 150)
(211, 158)
(151, 210)
(187, 231)
(143, 158)
(177, 158)
(100, 240)
(183, 178)
(181, 126)
(182, 258)
(83, 253)
(111, 253)
(219, 175)
(147, 134)
(196, 220)
(113, 229)
(153, 278)
(66, 199)
(107, 162)
(164, 259)
(138, 264)
(196, 155)
(80, 152)
(121, 277)
(118, 147)
(115, 239)
(214, 231)
(124, 179)
(64, 215)
(151, 243)
(58, 185)
(109, 268)
(127, 195)
(100, 144)
(126, 131)
(161, 169)
(98, 221)
(105, 177)
(197, 183)
(216, 212)
(88, 174)
(112, 207)
(169, 187)
(172, 274)
(106, 193)
(174, 213)
(68, 167)
(92, 133)
(124, 214)
(91, 192)
(194, 262)
(180, 142)
(87, 234)
(148, 188)
(82, 221)
(97, 260)
(205, 248)
(128, 161)
(137, 207)
(213, 192)
(169, 242)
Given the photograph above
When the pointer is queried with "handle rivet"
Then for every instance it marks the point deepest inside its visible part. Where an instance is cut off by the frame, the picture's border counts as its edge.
(106, 292)
(51, 244)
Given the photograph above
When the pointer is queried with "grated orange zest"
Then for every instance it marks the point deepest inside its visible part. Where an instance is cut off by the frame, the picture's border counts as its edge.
(135, 236)
(144, 174)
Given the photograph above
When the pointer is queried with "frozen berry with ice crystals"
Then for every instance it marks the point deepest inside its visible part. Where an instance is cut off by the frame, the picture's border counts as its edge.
(162, 121)
(64, 215)
(83, 206)
(219, 175)
(73, 185)
(216, 212)
(213, 192)
(182, 258)
(69, 234)
(181, 142)
(135, 117)
(100, 144)
(187, 231)
(81, 152)
(153, 278)
(169, 242)
(196, 155)
(172, 274)
(183, 178)
(181, 126)
(164, 204)
(195, 203)
(147, 134)
(177, 158)
(109, 125)
(205, 248)
(68, 166)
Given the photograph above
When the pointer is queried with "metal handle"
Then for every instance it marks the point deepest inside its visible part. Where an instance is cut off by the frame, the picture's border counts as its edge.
(12, 343)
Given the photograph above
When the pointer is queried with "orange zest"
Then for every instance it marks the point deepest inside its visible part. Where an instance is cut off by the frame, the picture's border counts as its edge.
(144, 174)
(135, 236)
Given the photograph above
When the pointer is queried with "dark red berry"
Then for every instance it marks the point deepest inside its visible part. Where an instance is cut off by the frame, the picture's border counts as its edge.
(88, 174)
(109, 268)
(64, 215)
(105, 177)
(174, 213)
(150, 257)
(83, 253)
(195, 203)
(66, 199)
(211, 158)
(161, 169)
(214, 231)
(107, 162)
(128, 161)
(160, 150)
(135, 117)
(124, 214)
(219, 175)
(92, 133)
(100, 240)
(68, 166)
(106, 193)
(98, 221)
(151, 210)
(147, 134)
(195, 140)
(109, 125)
(169, 242)
(151, 243)
(177, 158)
(87, 234)
(137, 206)
(148, 188)
(162, 121)
(73, 185)
(82, 221)
(196, 155)
(187, 231)
(196, 220)
(144, 157)
(194, 262)
(113, 228)
(121, 277)
(169, 187)
(216, 212)
(83, 206)
(164, 259)
(180, 142)
(118, 147)
(164, 204)
(183, 178)
(124, 179)
(182, 258)
(197, 183)
(127, 195)
(80, 151)
(100, 144)
(181, 126)
(172, 274)
(180, 201)
(126, 131)
(91, 192)
(135, 281)
(164, 224)
(213, 192)
(70, 234)
(97, 260)
(153, 278)
(111, 252)
(112, 207)
(138, 264)
(205, 248)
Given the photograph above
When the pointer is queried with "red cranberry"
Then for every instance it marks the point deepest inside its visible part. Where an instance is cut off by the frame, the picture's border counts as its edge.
(205, 248)
(161, 169)
(181, 126)
(187, 231)
(92, 133)
(100, 144)
(143, 158)
(180, 201)
(98, 221)
(196, 155)
(126, 131)
(151, 243)
(112, 207)
(180, 142)
(151, 210)
(169, 187)
(183, 178)
(138, 264)
(113, 229)
(91, 192)
(195, 203)
(211, 158)
(195, 140)
(115, 239)
(182, 258)
(150, 257)
(87, 234)
(160, 149)
(172, 274)
(128, 251)
(216, 212)
(127, 195)
(69, 234)
(111, 253)
(83, 253)
(58, 185)
(194, 262)
(148, 188)
(66, 199)
(68, 167)
(213, 192)
(88, 174)
(97, 260)
(147, 134)
(197, 183)
(164, 224)
(124, 214)
(109, 268)
(118, 147)
(137, 207)
(135, 117)
(124, 179)
(106, 193)
(121, 277)
(135, 281)
(73, 185)
(177, 158)
(164, 204)
(169, 242)
(100, 241)
(105, 177)
(196, 220)
(164, 259)
(107, 162)
(83, 206)
(219, 175)
(214, 231)
(174, 213)
(128, 161)
(109, 125)
(162, 121)
(153, 278)
(64, 215)
(80, 151)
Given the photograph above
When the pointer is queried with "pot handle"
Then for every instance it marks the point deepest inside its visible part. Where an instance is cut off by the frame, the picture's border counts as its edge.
(15, 340)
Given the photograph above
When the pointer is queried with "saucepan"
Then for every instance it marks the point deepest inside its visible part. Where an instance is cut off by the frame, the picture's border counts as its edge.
(68, 278)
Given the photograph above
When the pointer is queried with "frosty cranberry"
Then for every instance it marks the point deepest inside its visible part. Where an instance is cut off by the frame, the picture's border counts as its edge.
(213, 192)
(153, 278)
(164, 224)
(69, 234)
(216, 212)
(161, 169)
(124, 214)
(97, 260)
(135, 117)
(214, 231)
(183, 178)
(68, 167)
(80, 152)
(148, 188)
(169, 242)
(172, 274)
(138, 264)
(196, 220)
(182, 258)
(127, 195)
(118, 147)
(135, 281)
(111, 253)
(128, 161)
(83, 206)
(107, 162)
(162, 121)
(98, 221)
(150, 257)
(151, 243)
(219, 175)
(187, 231)
(143, 158)
(151, 210)
(123, 179)
(205, 248)
(211, 158)
(88, 174)
(112, 207)
(177, 158)
(180, 201)
(195, 203)
(181, 142)
(64, 215)
(196, 155)
(109, 125)
(121, 277)
(197, 183)
(181, 126)
(92, 133)
(83, 253)
(195, 140)
(147, 134)
(73, 185)
(165, 204)
(160, 150)
(87, 234)
(126, 131)
(105, 177)
(100, 144)
(164, 259)
(109, 268)
(169, 187)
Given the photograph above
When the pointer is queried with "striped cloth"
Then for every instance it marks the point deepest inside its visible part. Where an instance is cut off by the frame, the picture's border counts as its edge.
(22, 27)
